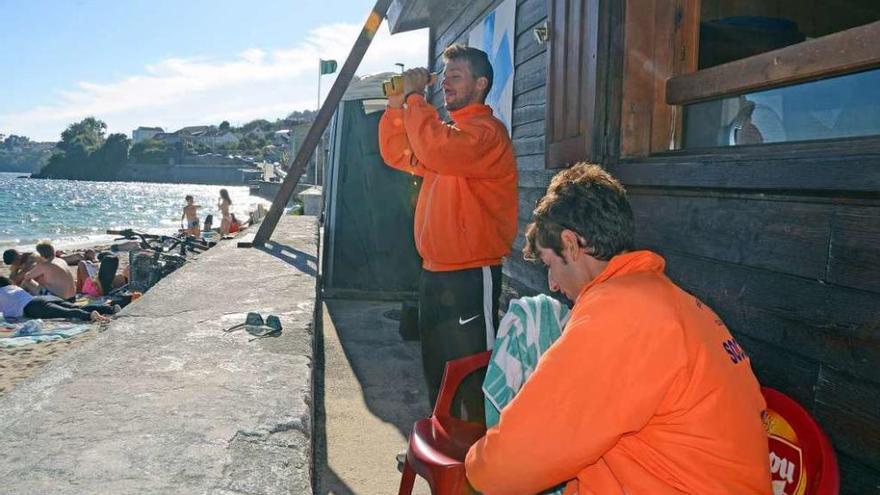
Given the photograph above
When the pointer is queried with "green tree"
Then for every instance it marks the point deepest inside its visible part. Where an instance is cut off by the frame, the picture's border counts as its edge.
(110, 157)
(13, 141)
(150, 151)
(87, 134)
(256, 124)
(224, 126)
(84, 153)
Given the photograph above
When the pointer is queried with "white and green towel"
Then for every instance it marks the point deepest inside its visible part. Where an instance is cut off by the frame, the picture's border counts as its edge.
(526, 331)
(529, 327)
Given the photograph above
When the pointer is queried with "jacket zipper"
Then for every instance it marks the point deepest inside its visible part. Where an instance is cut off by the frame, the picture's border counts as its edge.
(428, 209)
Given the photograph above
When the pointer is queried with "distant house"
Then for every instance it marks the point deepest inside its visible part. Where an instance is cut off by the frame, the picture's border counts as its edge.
(202, 135)
(219, 138)
(281, 138)
(144, 133)
(167, 137)
(210, 137)
(194, 130)
(259, 132)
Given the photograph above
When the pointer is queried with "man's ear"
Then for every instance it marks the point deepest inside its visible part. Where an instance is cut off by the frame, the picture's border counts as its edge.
(482, 84)
(570, 245)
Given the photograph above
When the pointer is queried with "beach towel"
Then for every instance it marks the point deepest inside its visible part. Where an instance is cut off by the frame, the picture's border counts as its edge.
(530, 326)
(29, 332)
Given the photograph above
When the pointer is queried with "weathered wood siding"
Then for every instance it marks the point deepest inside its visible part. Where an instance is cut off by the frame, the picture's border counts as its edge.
(791, 265)
(795, 278)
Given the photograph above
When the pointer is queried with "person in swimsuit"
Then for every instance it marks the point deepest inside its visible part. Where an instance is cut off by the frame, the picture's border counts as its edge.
(190, 212)
(51, 273)
(224, 205)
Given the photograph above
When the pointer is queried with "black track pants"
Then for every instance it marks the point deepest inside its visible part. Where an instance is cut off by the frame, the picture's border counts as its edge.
(55, 307)
(458, 316)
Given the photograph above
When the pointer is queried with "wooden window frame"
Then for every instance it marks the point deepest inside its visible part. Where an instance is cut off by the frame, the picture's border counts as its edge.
(660, 75)
(590, 75)
(653, 53)
(835, 54)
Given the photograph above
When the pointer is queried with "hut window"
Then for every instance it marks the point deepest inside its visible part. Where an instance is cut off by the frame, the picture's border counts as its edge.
(727, 72)
(838, 107)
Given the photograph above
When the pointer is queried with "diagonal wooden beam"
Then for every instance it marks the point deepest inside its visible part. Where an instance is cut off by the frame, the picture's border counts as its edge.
(371, 25)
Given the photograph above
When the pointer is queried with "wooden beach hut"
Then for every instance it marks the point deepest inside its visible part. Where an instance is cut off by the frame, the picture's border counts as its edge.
(747, 133)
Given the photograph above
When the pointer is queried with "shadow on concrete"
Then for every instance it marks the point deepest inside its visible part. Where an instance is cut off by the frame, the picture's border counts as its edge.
(327, 481)
(388, 369)
(300, 260)
(362, 346)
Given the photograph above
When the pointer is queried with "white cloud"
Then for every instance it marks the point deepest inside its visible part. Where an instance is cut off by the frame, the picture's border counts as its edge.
(254, 83)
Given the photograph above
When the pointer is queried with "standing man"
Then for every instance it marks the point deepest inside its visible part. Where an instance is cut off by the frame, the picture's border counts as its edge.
(465, 218)
(645, 391)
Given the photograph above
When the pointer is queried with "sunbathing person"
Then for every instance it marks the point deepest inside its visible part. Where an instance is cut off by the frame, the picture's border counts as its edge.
(234, 225)
(15, 302)
(19, 264)
(644, 392)
(86, 269)
(52, 274)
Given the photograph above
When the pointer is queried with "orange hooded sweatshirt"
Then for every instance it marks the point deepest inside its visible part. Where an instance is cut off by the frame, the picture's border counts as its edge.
(466, 212)
(645, 392)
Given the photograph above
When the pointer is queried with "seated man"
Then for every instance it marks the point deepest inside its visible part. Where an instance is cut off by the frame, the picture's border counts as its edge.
(19, 264)
(640, 394)
(52, 274)
(15, 302)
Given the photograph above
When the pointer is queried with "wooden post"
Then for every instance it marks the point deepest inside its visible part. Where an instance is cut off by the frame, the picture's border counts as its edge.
(267, 227)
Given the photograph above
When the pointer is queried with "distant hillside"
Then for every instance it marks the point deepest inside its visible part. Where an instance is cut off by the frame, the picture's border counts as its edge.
(20, 154)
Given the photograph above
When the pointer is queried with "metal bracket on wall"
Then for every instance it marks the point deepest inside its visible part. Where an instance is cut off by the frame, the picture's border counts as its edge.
(542, 33)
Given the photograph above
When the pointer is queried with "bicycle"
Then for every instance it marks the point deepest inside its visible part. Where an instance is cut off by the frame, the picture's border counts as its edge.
(154, 260)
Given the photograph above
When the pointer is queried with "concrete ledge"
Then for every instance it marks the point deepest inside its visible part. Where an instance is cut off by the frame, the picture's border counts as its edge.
(165, 401)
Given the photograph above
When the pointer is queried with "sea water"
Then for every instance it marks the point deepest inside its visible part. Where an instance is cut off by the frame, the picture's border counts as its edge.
(80, 212)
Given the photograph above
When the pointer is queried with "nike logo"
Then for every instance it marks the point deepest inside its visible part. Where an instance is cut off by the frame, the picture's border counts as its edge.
(464, 322)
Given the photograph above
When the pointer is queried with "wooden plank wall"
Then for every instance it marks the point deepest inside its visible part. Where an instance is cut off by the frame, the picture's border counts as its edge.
(794, 274)
(797, 280)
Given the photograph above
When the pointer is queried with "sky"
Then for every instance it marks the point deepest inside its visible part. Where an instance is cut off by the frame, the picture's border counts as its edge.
(175, 63)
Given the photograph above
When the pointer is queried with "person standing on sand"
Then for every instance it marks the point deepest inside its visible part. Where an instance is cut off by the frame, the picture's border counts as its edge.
(52, 274)
(190, 212)
(224, 204)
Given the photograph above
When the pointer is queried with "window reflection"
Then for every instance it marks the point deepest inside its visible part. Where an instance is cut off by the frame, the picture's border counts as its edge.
(844, 106)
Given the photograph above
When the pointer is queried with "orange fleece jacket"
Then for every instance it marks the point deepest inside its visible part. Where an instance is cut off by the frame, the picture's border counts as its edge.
(466, 212)
(645, 392)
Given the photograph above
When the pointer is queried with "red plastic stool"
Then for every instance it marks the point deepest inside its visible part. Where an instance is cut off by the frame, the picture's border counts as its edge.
(438, 445)
(802, 460)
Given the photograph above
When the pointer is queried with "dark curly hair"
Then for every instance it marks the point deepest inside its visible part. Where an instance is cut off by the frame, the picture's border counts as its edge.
(589, 201)
(9, 256)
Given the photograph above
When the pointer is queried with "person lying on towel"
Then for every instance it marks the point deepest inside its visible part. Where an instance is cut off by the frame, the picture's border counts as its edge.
(15, 302)
(645, 391)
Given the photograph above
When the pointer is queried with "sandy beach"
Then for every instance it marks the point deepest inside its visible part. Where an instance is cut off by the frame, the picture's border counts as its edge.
(18, 363)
